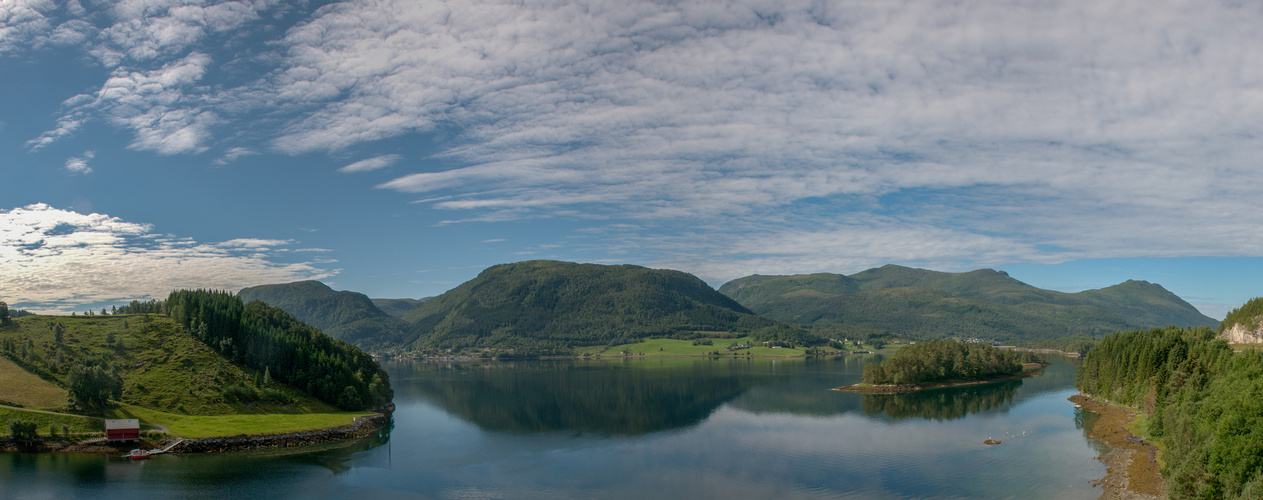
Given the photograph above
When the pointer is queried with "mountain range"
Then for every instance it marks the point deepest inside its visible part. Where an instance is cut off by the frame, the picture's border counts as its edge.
(984, 303)
(551, 306)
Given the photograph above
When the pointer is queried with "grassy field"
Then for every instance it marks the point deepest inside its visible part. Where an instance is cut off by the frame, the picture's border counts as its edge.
(17, 386)
(204, 426)
(673, 347)
(76, 424)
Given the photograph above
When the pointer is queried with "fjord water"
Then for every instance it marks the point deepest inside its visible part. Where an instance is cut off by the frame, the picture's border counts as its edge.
(642, 428)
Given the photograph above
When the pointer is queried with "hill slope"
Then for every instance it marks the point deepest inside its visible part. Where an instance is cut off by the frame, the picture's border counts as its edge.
(556, 305)
(930, 304)
(161, 364)
(347, 316)
(1244, 325)
(397, 307)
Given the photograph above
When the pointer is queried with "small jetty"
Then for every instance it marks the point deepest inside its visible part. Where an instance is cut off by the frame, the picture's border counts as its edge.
(139, 454)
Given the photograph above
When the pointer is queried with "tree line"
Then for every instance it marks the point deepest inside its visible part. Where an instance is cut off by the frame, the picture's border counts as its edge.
(946, 360)
(1204, 402)
(270, 340)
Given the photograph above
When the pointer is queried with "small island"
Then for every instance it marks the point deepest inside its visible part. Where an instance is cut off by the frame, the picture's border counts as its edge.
(944, 363)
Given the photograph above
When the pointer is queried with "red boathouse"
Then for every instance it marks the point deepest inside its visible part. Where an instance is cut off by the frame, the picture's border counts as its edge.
(126, 429)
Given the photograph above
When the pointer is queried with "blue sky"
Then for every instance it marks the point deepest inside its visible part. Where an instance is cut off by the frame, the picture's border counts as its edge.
(399, 147)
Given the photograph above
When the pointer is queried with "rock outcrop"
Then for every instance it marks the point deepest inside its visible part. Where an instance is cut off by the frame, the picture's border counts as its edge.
(1241, 334)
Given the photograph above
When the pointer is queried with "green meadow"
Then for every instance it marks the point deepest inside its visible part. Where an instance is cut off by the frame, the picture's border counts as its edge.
(170, 379)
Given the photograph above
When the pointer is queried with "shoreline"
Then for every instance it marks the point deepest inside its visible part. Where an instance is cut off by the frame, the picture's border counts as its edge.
(860, 388)
(1043, 351)
(1131, 467)
(439, 359)
(361, 428)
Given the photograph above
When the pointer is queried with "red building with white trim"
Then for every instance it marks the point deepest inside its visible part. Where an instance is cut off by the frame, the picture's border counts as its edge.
(125, 429)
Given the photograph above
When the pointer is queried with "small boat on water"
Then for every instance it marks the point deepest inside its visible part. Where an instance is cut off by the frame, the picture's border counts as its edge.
(138, 454)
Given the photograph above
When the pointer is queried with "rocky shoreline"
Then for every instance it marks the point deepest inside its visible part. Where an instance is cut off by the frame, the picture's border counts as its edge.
(1131, 465)
(361, 428)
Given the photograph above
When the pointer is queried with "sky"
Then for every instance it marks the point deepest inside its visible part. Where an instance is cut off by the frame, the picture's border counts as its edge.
(399, 147)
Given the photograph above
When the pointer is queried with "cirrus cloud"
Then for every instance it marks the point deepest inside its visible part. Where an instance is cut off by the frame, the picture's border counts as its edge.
(948, 134)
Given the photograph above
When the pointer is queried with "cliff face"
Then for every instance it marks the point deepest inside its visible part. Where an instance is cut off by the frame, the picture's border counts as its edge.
(1240, 334)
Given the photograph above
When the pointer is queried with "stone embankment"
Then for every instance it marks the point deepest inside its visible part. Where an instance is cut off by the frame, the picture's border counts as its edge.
(361, 428)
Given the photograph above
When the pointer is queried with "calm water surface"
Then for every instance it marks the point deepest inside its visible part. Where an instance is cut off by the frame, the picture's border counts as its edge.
(648, 428)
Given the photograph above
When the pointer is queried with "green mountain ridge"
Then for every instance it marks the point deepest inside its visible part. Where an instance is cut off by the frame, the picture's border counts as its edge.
(557, 305)
(344, 315)
(930, 304)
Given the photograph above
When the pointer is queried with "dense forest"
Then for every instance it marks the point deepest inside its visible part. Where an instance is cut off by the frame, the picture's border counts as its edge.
(1204, 402)
(549, 306)
(926, 304)
(946, 360)
(268, 339)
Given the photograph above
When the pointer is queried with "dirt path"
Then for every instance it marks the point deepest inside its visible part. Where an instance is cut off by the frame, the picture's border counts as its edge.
(1131, 466)
(155, 427)
(47, 412)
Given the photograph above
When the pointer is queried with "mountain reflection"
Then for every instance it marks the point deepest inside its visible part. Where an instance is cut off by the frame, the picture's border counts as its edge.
(607, 397)
(639, 396)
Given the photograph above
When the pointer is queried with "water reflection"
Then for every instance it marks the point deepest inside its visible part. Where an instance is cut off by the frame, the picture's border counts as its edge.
(611, 397)
(943, 404)
(640, 396)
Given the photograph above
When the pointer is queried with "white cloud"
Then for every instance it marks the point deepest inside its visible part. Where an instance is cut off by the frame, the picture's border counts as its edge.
(58, 260)
(23, 20)
(146, 30)
(1107, 128)
(233, 154)
(371, 164)
(152, 104)
(79, 164)
(254, 243)
(934, 132)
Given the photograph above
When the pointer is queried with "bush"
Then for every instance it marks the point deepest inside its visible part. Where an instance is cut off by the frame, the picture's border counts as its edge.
(238, 392)
(22, 430)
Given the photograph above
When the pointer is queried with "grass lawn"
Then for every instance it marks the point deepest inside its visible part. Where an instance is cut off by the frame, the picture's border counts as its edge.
(206, 426)
(21, 387)
(77, 424)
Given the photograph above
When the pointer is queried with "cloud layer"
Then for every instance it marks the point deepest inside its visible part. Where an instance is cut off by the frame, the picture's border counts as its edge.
(779, 136)
(57, 260)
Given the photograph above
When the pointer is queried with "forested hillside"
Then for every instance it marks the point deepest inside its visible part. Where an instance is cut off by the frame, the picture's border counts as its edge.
(549, 305)
(146, 360)
(930, 304)
(1204, 402)
(268, 339)
(348, 316)
(1248, 315)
